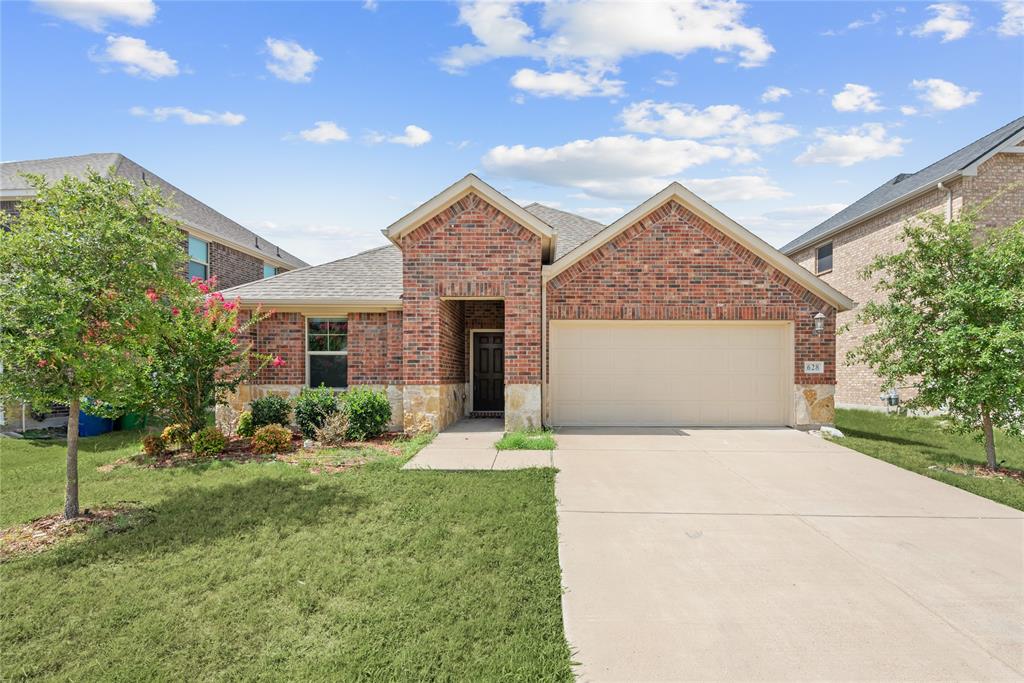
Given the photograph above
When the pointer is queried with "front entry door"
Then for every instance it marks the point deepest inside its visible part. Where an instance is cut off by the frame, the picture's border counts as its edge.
(488, 371)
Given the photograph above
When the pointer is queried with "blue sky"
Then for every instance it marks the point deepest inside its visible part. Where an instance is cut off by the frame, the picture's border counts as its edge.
(318, 124)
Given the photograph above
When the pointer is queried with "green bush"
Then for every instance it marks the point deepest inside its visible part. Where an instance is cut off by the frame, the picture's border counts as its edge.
(175, 433)
(209, 441)
(368, 413)
(334, 431)
(272, 439)
(153, 446)
(312, 408)
(245, 426)
(270, 410)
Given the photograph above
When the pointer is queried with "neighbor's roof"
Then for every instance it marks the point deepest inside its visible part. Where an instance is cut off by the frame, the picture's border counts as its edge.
(188, 209)
(572, 230)
(906, 184)
(372, 276)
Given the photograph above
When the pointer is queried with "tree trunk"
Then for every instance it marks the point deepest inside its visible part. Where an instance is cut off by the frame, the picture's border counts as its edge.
(990, 440)
(71, 485)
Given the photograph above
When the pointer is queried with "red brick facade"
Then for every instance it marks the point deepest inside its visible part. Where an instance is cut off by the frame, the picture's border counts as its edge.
(282, 334)
(470, 249)
(233, 267)
(375, 348)
(672, 265)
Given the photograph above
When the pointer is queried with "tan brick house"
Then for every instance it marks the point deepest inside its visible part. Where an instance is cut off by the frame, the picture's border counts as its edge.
(672, 315)
(988, 172)
(217, 246)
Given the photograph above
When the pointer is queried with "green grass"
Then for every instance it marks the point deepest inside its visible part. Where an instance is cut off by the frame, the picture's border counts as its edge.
(917, 443)
(264, 571)
(527, 440)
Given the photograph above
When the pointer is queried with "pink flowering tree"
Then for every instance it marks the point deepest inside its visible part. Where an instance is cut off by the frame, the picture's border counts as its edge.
(86, 268)
(203, 354)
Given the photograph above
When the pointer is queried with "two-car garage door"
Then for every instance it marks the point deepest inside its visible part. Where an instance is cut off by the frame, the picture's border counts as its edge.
(652, 373)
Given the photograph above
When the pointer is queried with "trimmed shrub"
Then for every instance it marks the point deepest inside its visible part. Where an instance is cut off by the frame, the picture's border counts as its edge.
(270, 410)
(368, 413)
(334, 431)
(209, 441)
(312, 408)
(245, 426)
(153, 446)
(272, 439)
(175, 433)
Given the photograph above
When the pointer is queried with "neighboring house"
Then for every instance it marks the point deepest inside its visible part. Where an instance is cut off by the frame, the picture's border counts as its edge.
(217, 246)
(988, 173)
(672, 315)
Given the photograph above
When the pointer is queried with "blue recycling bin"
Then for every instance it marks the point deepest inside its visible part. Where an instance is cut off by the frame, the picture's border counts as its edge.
(90, 425)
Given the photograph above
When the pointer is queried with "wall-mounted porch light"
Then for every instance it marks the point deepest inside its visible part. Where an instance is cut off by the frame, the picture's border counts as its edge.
(819, 323)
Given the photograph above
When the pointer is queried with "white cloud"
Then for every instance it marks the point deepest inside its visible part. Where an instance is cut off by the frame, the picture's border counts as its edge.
(602, 214)
(569, 84)
(667, 78)
(951, 19)
(908, 110)
(737, 188)
(855, 97)
(601, 34)
(774, 93)
(856, 24)
(318, 242)
(781, 225)
(611, 167)
(414, 136)
(189, 117)
(95, 14)
(1013, 19)
(291, 62)
(723, 123)
(943, 95)
(857, 144)
(137, 58)
(370, 5)
(323, 132)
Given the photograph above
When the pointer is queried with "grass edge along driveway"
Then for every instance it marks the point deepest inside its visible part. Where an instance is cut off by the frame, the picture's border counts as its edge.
(266, 571)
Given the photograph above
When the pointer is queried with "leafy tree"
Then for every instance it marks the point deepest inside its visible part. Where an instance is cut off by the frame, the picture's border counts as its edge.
(198, 359)
(951, 322)
(86, 268)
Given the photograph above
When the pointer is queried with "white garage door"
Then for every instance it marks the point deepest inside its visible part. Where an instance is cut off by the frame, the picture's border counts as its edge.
(640, 373)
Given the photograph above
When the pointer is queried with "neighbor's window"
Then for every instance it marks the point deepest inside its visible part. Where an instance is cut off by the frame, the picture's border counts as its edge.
(198, 258)
(327, 352)
(823, 259)
(269, 270)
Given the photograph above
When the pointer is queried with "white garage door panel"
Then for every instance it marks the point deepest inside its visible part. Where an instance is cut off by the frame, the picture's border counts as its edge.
(654, 373)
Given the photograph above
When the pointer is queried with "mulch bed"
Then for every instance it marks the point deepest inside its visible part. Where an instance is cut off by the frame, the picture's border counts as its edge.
(43, 533)
(982, 472)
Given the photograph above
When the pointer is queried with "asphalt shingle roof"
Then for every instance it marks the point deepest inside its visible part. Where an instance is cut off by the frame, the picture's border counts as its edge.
(187, 208)
(906, 184)
(571, 230)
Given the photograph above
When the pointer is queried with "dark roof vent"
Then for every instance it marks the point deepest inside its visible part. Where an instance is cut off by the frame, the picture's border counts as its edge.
(901, 177)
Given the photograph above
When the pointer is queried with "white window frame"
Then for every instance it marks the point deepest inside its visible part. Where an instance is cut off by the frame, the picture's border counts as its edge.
(817, 270)
(205, 264)
(305, 341)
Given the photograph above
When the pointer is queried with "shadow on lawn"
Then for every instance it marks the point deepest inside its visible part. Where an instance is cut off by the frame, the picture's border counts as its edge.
(203, 515)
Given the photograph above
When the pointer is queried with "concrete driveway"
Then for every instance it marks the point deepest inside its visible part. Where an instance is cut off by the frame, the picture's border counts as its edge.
(774, 555)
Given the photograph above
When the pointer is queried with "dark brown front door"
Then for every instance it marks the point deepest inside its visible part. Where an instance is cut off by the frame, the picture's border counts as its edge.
(488, 371)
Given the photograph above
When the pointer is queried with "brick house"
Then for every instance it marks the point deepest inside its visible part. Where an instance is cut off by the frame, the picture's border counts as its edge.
(987, 173)
(217, 246)
(672, 315)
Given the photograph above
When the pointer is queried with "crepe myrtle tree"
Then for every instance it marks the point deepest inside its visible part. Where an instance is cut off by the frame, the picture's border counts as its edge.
(199, 358)
(950, 322)
(87, 267)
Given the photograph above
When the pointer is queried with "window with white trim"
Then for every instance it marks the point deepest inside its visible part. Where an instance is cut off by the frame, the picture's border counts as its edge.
(198, 258)
(327, 352)
(269, 270)
(823, 259)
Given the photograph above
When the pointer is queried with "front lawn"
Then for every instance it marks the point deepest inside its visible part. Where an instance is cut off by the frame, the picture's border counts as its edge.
(269, 571)
(920, 445)
(527, 440)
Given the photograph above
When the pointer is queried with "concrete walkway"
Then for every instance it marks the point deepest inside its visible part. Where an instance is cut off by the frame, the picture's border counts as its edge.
(775, 555)
(469, 445)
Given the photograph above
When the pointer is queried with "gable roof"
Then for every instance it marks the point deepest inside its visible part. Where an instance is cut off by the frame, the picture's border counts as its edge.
(187, 209)
(719, 220)
(964, 161)
(572, 230)
(372, 277)
(455, 192)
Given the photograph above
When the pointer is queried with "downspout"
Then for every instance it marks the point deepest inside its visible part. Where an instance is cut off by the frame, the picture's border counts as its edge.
(543, 348)
(949, 200)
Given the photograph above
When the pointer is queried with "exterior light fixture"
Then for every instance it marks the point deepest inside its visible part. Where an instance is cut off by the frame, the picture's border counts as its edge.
(819, 323)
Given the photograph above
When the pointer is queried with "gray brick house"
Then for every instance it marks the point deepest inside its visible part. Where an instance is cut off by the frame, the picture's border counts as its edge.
(988, 173)
(217, 246)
